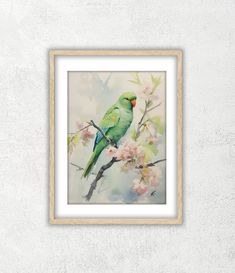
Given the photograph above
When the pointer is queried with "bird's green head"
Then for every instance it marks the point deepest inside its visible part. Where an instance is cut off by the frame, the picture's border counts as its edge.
(128, 100)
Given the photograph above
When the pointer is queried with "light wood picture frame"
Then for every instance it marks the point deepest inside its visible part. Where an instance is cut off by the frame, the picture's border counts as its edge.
(66, 61)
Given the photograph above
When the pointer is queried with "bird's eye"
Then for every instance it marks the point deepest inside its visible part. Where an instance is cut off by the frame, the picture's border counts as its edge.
(126, 98)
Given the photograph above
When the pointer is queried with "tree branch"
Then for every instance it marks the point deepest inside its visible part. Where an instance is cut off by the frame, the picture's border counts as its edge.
(99, 176)
(109, 141)
(107, 166)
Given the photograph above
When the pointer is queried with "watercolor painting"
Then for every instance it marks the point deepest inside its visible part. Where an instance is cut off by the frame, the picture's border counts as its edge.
(116, 137)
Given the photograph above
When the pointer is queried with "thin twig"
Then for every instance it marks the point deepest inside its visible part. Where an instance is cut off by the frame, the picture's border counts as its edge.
(152, 164)
(141, 120)
(81, 168)
(144, 123)
(141, 123)
(150, 109)
(81, 129)
(109, 141)
(145, 112)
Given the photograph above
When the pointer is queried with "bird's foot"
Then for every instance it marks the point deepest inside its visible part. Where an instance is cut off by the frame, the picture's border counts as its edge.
(111, 142)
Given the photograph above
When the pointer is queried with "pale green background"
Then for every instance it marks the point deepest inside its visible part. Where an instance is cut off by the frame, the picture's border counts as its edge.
(90, 98)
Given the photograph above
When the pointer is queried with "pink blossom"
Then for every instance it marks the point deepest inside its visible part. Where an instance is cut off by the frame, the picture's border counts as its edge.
(86, 135)
(111, 151)
(153, 97)
(154, 181)
(84, 131)
(80, 124)
(130, 150)
(147, 90)
(151, 139)
(139, 187)
(151, 175)
(140, 158)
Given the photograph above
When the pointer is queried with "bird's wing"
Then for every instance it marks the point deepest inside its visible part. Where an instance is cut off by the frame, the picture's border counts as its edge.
(109, 120)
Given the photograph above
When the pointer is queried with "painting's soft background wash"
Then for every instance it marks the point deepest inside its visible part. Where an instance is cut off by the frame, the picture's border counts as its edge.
(205, 31)
(90, 95)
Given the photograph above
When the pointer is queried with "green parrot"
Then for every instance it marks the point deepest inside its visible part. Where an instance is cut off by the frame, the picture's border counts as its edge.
(114, 125)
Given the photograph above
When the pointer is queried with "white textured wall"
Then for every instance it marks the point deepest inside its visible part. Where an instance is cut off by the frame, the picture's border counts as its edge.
(205, 30)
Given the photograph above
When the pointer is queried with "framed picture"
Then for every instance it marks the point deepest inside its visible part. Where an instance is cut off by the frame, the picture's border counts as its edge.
(116, 137)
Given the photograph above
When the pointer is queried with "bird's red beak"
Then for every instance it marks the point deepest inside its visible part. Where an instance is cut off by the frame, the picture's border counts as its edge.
(133, 102)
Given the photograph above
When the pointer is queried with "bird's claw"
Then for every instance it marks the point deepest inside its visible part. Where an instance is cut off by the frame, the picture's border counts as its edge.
(111, 142)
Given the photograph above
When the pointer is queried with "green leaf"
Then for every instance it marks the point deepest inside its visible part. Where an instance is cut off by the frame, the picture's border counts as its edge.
(133, 134)
(135, 82)
(150, 150)
(156, 81)
(136, 79)
(72, 142)
(75, 139)
(68, 140)
(156, 121)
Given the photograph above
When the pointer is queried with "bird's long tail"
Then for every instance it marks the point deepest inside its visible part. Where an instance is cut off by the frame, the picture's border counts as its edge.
(91, 163)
